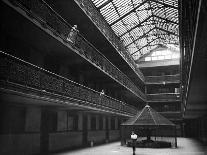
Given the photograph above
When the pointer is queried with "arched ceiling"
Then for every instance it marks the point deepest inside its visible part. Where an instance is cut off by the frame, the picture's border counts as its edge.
(142, 24)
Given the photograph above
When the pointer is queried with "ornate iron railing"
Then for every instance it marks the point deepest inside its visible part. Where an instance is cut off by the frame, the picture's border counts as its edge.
(17, 71)
(48, 18)
(88, 7)
(162, 79)
(163, 97)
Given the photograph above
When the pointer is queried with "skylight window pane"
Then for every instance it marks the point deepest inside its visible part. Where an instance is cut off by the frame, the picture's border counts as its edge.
(109, 13)
(161, 57)
(148, 59)
(154, 58)
(123, 6)
(99, 2)
(174, 56)
(126, 39)
(131, 20)
(132, 48)
(168, 57)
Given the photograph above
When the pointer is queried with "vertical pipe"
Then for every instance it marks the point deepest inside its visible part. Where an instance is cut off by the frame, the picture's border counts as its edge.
(175, 134)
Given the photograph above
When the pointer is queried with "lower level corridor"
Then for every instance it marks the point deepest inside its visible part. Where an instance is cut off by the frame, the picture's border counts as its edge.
(186, 146)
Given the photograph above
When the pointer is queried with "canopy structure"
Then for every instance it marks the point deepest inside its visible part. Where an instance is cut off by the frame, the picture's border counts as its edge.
(145, 122)
(147, 118)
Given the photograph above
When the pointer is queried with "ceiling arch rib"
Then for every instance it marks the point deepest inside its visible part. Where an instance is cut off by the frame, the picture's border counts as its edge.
(142, 24)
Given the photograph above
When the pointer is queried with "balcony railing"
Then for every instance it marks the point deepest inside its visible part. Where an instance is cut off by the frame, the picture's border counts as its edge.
(48, 18)
(88, 7)
(172, 115)
(162, 79)
(165, 97)
(24, 74)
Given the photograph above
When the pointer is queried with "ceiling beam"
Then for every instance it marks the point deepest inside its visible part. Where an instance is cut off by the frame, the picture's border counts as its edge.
(170, 21)
(145, 45)
(129, 12)
(167, 31)
(141, 36)
(136, 26)
(104, 4)
(166, 5)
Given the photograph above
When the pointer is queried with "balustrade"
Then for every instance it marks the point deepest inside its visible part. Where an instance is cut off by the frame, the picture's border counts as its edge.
(163, 97)
(14, 70)
(50, 19)
(161, 79)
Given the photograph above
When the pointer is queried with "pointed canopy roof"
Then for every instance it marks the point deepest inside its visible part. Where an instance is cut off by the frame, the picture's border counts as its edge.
(148, 117)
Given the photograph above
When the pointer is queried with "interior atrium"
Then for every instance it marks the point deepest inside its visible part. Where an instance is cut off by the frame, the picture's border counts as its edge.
(73, 71)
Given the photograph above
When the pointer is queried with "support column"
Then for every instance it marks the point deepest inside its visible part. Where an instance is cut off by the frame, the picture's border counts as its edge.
(116, 123)
(104, 123)
(97, 122)
(89, 122)
(80, 121)
(109, 123)
(33, 119)
(61, 120)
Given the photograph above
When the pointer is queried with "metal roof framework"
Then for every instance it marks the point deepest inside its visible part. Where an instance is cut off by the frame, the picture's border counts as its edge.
(142, 25)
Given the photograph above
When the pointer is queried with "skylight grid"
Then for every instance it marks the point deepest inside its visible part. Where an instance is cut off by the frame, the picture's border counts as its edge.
(109, 13)
(141, 28)
(126, 39)
(171, 13)
(119, 28)
(137, 2)
(143, 12)
(99, 2)
(123, 7)
(137, 32)
(147, 27)
(130, 21)
(132, 48)
(169, 2)
(142, 42)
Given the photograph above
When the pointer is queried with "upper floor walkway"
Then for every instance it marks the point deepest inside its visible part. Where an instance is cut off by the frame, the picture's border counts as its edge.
(25, 79)
(51, 22)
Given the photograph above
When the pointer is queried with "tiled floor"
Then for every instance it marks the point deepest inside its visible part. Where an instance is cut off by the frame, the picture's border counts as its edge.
(185, 147)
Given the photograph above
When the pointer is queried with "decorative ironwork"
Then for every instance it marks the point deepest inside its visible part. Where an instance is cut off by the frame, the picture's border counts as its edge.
(163, 97)
(161, 79)
(14, 70)
(51, 20)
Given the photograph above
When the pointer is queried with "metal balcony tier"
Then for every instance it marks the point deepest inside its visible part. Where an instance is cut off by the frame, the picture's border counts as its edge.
(173, 115)
(163, 97)
(158, 63)
(91, 11)
(24, 75)
(40, 11)
(162, 79)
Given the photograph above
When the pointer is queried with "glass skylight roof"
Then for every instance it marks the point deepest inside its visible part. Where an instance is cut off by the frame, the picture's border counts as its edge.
(142, 24)
(163, 55)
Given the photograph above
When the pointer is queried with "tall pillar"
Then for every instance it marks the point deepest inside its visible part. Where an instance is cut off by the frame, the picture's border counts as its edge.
(97, 122)
(33, 118)
(116, 123)
(80, 121)
(61, 120)
(104, 123)
(89, 122)
(109, 122)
